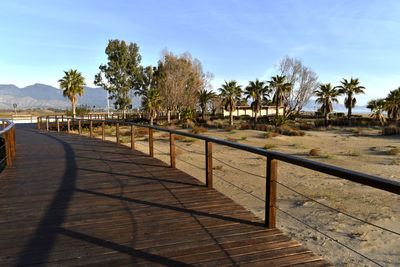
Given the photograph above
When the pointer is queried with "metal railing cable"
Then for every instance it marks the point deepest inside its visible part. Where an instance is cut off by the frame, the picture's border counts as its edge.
(328, 236)
(236, 168)
(314, 200)
(301, 221)
(338, 211)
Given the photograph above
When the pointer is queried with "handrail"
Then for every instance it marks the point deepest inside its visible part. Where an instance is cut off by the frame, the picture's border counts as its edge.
(8, 134)
(272, 159)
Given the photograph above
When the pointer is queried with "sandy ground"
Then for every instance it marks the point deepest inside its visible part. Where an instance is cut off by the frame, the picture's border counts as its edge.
(241, 176)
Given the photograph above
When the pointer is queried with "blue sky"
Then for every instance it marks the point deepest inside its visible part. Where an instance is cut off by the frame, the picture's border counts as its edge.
(240, 40)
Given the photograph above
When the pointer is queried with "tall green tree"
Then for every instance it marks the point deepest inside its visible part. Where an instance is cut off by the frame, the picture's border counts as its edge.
(392, 104)
(282, 88)
(151, 102)
(121, 74)
(72, 85)
(350, 88)
(256, 90)
(326, 95)
(205, 97)
(377, 106)
(230, 93)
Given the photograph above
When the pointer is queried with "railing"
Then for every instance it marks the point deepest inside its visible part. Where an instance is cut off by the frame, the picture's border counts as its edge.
(272, 158)
(7, 145)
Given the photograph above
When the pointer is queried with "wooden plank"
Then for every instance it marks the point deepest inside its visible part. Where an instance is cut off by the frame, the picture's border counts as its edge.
(172, 149)
(209, 170)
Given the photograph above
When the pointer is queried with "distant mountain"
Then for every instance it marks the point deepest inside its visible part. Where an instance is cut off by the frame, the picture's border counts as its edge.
(337, 107)
(45, 96)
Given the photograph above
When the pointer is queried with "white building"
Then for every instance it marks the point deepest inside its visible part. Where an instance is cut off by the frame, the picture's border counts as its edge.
(246, 111)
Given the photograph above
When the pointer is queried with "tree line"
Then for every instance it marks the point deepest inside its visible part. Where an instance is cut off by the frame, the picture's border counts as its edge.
(179, 84)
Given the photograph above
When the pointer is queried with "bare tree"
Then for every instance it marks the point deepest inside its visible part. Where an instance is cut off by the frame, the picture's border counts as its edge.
(304, 81)
(180, 78)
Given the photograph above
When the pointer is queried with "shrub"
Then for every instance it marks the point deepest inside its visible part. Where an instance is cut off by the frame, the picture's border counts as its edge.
(245, 126)
(278, 121)
(270, 134)
(231, 139)
(353, 153)
(391, 130)
(243, 138)
(229, 128)
(189, 140)
(198, 129)
(269, 146)
(179, 137)
(314, 152)
(394, 151)
(218, 167)
(357, 131)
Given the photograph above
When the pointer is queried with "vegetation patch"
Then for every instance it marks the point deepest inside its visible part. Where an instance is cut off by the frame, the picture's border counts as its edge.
(394, 151)
(314, 152)
(353, 153)
(231, 139)
(391, 130)
(189, 140)
(198, 129)
(243, 138)
(269, 146)
(270, 134)
(218, 167)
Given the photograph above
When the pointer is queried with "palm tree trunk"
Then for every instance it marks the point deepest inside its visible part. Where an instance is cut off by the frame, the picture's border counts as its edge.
(73, 108)
(255, 118)
(151, 120)
(203, 113)
(231, 117)
(169, 116)
(326, 119)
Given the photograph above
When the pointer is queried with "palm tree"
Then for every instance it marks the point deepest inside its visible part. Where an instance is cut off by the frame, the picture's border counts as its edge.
(230, 93)
(350, 88)
(256, 90)
(204, 97)
(376, 106)
(326, 94)
(281, 89)
(151, 102)
(72, 84)
(392, 104)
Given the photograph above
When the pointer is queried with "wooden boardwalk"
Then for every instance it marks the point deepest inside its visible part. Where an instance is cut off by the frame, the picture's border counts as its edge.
(70, 200)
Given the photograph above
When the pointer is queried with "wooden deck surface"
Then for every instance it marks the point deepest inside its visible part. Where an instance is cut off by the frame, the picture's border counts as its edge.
(71, 200)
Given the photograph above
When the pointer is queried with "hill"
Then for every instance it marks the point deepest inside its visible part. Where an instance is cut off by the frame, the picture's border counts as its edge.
(46, 96)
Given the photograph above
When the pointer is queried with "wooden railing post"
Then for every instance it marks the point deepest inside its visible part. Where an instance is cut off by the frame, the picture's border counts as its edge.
(209, 172)
(132, 137)
(117, 133)
(79, 127)
(38, 123)
(68, 126)
(151, 147)
(58, 124)
(8, 148)
(172, 149)
(13, 147)
(47, 123)
(91, 129)
(103, 134)
(270, 194)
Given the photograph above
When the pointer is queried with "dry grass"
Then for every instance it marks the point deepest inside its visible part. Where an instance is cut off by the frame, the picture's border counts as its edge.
(231, 139)
(270, 134)
(218, 167)
(229, 128)
(179, 137)
(353, 153)
(269, 146)
(198, 129)
(394, 151)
